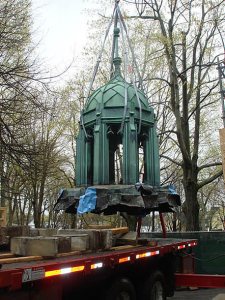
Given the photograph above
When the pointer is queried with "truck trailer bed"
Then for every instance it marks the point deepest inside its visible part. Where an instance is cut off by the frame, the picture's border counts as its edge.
(14, 274)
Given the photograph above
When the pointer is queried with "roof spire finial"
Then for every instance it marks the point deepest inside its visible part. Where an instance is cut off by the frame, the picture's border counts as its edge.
(116, 59)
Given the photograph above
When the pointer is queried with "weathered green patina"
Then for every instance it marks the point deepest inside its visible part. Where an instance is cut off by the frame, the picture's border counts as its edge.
(117, 114)
(117, 121)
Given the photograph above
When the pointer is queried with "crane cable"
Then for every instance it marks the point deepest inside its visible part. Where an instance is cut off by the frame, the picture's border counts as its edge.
(123, 25)
(131, 48)
(125, 72)
(97, 64)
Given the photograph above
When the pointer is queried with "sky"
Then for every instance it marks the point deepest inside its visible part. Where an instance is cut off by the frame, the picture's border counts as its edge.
(60, 28)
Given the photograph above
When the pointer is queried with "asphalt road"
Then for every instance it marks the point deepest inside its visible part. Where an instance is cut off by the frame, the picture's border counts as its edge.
(199, 294)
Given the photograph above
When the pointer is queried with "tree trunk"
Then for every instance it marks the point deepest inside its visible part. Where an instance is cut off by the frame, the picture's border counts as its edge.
(37, 214)
(174, 222)
(37, 217)
(2, 182)
(191, 206)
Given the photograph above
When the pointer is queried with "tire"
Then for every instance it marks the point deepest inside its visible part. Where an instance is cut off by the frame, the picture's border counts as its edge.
(121, 289)
(154, 287)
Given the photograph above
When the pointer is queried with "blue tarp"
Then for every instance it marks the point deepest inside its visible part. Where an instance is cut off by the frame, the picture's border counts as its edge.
(87, 202)
(171, 190)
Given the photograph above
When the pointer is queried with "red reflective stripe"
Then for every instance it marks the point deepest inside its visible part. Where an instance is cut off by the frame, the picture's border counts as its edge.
(63, 271)
(97, 265)
(52, 273)
(124, 259)
(147, 254)
(181, 247)
(192, 244)
(77, 269)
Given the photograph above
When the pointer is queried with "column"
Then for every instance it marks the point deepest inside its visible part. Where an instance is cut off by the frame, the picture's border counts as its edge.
(101, 155)
(151, 158)
(130, 154)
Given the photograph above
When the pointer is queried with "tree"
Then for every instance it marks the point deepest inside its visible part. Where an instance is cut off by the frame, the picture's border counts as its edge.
(47, 166)
(190, 41)
(20, 80)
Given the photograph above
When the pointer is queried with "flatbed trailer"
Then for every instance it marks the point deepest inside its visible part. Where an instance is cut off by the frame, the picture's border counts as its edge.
(123, 272)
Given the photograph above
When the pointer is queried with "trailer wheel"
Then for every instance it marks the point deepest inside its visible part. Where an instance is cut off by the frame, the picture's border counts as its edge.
(154, 287)
(121, 289)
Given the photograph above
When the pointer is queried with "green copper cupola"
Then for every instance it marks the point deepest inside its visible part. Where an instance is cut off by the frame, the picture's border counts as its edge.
(117, 141)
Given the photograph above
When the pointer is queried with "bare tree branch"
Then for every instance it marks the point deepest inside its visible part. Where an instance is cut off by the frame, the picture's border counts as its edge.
(210, 179)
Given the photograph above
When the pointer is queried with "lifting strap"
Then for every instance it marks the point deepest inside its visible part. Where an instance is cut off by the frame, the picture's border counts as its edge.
(98, 62)
(117, 15)
(123, 27)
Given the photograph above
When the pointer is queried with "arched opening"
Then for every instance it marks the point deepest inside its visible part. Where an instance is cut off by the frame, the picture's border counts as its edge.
(115, 154)
(119, 164)
(141, 163)
(142, 155)
(90, 156)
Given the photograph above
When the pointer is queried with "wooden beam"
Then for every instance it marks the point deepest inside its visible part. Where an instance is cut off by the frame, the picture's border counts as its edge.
(20, 259)
(123, 247)
(119, 230)
(6, 255)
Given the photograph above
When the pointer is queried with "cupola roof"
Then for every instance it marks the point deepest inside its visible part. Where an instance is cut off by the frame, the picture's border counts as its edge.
(118, 93)
(112, 94)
